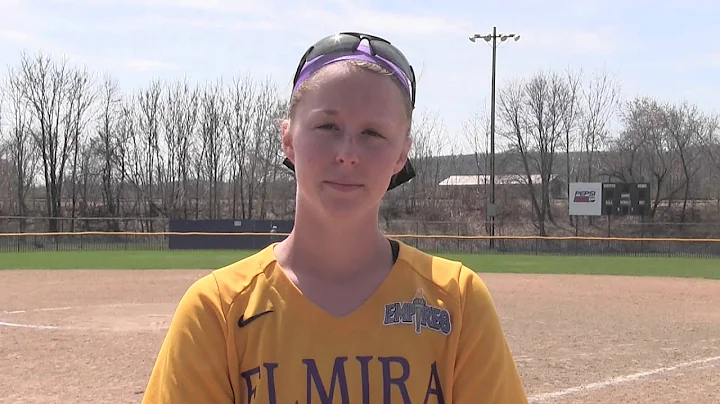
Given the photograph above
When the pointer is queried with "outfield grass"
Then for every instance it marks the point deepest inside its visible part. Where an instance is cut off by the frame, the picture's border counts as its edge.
(591, 265)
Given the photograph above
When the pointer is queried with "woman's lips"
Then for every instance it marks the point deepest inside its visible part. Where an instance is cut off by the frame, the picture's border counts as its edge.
(343, 186)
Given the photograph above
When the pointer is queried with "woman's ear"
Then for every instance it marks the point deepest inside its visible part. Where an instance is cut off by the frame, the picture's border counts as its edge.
(287, 140)
(400, 163)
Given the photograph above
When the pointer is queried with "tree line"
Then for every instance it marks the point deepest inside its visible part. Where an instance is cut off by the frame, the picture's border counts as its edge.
(561, 124)
(73, 144)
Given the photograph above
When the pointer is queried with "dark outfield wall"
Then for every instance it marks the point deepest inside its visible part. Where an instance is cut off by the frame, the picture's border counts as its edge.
(225, 242)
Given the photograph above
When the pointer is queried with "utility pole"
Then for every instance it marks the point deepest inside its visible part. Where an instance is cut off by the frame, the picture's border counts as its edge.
(492, 38)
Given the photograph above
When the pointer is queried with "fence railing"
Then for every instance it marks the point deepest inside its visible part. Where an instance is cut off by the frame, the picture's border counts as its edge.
(549, 245)
(629, 227)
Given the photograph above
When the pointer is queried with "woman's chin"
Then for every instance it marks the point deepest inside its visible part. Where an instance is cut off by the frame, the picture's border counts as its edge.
(346, 209)
(338, 203)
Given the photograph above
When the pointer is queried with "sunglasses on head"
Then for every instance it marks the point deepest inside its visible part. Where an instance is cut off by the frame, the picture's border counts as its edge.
(346, 42)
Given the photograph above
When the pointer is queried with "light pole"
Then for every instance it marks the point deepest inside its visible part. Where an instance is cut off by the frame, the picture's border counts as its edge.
(492, 39)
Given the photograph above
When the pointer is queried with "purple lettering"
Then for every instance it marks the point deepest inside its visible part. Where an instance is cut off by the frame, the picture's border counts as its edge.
(250, 388)
(437, 390)
(270, 369)
(388, 380)
(407, 311)
(365, 374)
(395, 374)
(391, 315)
(338, 375)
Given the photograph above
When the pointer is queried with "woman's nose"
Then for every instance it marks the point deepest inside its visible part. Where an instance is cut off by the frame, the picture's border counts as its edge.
(348, 149)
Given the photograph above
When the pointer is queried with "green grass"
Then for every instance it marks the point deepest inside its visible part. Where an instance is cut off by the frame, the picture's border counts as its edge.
(203, 259)
(594, 265)
(591, 265)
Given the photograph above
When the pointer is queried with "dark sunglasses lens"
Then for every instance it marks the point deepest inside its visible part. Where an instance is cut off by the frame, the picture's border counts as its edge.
(348, 42)
(390, 53)
(334, 43)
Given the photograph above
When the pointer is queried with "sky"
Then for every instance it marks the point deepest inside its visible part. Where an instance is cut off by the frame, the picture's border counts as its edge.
(660, 48)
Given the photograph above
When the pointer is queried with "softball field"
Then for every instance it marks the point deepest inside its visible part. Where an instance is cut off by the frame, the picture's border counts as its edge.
(88, 336)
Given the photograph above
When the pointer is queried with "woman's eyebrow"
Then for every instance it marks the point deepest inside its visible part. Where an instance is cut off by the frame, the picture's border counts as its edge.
(327, 111)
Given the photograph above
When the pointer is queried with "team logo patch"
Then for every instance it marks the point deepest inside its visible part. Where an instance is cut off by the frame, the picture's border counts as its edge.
(418, 313)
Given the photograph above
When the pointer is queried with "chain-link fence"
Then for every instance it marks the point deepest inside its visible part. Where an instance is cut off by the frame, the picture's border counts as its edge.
(604, 236)
(93, 241)
(536, 245)
(598, 227)
(626, 227)
(15, 224)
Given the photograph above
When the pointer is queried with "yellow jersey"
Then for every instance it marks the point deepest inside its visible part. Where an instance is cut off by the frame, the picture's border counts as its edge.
(245, 334)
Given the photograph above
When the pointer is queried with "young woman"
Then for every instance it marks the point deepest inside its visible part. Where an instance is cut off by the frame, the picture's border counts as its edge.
(337, 312)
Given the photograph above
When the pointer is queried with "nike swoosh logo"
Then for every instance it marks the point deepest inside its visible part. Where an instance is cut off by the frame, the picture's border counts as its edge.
(242, 322)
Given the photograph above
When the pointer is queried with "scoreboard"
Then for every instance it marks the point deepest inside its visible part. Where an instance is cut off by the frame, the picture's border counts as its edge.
(609, 199)
(623, 199)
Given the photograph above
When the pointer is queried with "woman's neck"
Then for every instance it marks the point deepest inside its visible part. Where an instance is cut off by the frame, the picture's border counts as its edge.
(335, 248)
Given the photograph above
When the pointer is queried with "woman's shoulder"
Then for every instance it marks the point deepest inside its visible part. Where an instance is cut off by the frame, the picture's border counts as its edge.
(452, 275)
(223, 285)
(241, 274)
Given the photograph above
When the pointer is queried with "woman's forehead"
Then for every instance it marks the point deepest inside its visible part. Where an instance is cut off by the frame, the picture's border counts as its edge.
(343, 87)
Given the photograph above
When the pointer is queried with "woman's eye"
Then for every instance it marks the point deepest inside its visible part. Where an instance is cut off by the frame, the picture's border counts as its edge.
(373, 133)
(327, 126)
(332, 126)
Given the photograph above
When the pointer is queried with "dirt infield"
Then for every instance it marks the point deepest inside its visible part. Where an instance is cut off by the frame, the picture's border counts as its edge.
(92, 336)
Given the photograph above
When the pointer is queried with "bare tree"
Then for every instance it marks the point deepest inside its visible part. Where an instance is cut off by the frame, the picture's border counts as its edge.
(81, 96)
(266, 149)
(429, 139)
(125, 133)
(713, 153)
(690, 132)
(23, 156)
(598, 102)
(283, 185)
(275, 191)
(145, 147)
(180, 119)
(211, 165)
(184, 150)
(6, 189)
(110, 148)
(5, 170)
(238, 124)
(433, 157)
(531, 112)
(476, 131)
(644, 128)
(54, 94)
(667, 145)
(86, 187)
(569, 118)
(622, 161)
